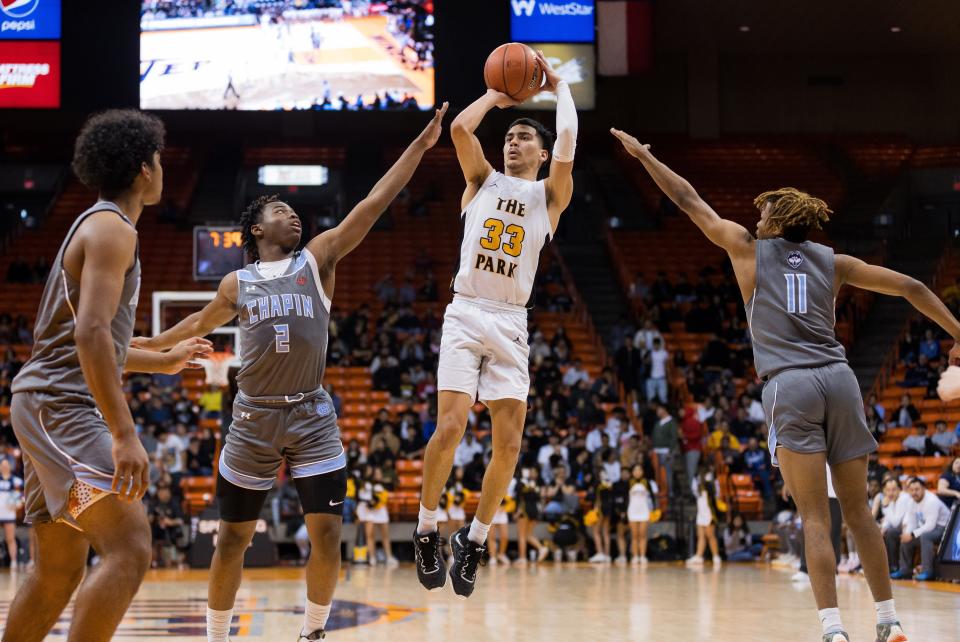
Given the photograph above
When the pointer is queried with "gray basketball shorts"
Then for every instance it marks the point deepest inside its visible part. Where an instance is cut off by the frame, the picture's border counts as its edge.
(264, 435)
(64, 439)
(812, 410)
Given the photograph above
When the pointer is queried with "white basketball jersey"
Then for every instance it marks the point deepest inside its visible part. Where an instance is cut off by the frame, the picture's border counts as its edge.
(505, 227)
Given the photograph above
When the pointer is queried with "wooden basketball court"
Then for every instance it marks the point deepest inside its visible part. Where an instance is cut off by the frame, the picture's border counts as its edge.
(738, 603)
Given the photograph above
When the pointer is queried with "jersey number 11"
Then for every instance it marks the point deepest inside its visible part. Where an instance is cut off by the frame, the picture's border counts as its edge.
(796, 293)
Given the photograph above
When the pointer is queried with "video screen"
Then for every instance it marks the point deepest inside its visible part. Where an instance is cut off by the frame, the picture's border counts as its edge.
(283, 55)
(29, 74)
(575, 64)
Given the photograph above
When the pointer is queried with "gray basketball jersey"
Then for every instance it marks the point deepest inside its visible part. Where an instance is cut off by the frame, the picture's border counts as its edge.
(54, 366)
(283, 329)
(791, 313)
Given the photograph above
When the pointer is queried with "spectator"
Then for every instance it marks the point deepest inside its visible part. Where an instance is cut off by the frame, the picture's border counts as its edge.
(11, 500)
(198, 462)
(706, 411)
(666, 443)
(166, 519)
(943, 439)
(906, 414)
(575, 373)
(880, 410)
(757, 463)
(527, 492)
(706, 489)
(736, 541)
(657, 360)
(211, 402)
(621, 499)
(692, 433)
(412, 443)
(628, 360)
(723, 430)
(948, 486)
(468, 448)
(603, 509)
(171, 453)
(605, 387)
(553, 448)
(930, 346)
(923, 528)
(874, 421)
(337, 400)
(646, 335)
(917, 443)
(372, 512)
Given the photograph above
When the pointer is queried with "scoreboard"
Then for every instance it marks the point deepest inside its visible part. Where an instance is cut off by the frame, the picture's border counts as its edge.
(217, 251)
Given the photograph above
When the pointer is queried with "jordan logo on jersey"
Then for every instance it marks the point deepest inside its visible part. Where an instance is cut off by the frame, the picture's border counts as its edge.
(278, 305)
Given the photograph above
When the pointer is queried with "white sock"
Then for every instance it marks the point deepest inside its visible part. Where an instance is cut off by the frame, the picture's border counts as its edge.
(886, 613)
(218, 625)
(830, 620)
(314, 617)
(478, 532)
(426, 520)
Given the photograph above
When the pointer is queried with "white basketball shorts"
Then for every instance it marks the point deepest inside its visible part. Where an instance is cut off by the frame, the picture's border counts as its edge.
(484, 351)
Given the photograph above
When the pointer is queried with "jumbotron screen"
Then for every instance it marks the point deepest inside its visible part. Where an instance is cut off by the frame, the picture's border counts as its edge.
(278, 55)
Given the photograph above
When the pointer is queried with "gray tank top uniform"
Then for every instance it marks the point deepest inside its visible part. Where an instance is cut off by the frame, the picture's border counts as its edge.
(811, 398)
(61, 432)
(281, 411)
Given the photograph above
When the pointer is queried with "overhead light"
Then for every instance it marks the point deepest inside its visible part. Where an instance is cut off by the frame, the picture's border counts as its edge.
(744, 28)
(894, 29)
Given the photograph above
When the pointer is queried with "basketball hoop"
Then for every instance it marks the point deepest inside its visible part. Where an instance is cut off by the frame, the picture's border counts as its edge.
(217, 366)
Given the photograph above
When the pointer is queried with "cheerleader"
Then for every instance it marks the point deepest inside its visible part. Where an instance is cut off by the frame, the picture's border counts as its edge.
(456, 499)
(706, 488)
(498, 538)
(372, 511)
(602, 510)
(528, 493)
(642, 492)
(11, 499)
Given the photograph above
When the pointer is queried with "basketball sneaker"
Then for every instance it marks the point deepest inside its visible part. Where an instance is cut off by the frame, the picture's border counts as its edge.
(316, 635)
(431, 570)
(467, 556)
(890, 633)
(836, 637)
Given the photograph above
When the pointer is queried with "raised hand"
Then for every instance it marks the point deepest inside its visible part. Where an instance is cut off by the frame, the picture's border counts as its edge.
(502, 100)
(551, 77)
(431, 133)
(632, 145)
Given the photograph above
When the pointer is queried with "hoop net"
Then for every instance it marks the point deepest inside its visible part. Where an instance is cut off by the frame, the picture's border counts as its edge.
(217, 367)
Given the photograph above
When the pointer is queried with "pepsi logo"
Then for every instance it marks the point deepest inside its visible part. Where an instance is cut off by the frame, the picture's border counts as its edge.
(19, 8)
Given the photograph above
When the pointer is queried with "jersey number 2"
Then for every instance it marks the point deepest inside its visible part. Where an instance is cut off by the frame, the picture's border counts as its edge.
(495, 230)
(283, 337)
(796, 293)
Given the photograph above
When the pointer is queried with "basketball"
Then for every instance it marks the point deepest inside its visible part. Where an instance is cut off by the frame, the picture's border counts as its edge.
(513, 70)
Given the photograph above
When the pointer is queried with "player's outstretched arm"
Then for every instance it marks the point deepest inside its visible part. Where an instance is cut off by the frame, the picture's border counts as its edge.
(875, 278)
(559, 184)
(731, 236)
(220, 311)
(331, 246)
(473, 163)
(185, 355)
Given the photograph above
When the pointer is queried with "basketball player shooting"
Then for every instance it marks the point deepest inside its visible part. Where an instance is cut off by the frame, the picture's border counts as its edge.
(85, 467)
(507, 219)
(811, 397)
(281, 412)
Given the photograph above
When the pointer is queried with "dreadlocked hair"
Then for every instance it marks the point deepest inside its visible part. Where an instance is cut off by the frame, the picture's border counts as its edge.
(794, 212)
(250, 217)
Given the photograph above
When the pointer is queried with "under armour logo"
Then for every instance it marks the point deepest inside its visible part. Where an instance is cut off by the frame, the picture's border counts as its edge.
(251, 288)
(244, 415)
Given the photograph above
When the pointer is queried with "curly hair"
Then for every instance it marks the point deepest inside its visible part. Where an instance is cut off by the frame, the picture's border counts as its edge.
(113, 145)
(794, 212)
(250, 217)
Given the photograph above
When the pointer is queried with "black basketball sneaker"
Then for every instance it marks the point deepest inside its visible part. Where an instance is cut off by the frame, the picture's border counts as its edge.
(316, 635)
(431, 571)
(467, 555)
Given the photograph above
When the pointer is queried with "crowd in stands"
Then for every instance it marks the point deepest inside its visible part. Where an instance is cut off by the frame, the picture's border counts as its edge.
(19, 271)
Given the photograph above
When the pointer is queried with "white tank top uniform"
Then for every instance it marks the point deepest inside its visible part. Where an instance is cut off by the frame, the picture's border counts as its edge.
(484, 351)
(11, 494)
(704, 514)
(367, 513)
(641, 502)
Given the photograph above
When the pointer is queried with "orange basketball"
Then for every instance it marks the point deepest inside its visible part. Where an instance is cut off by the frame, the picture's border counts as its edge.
(513, 69)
